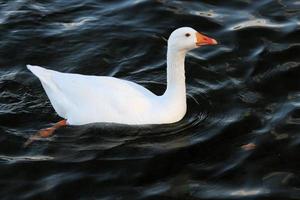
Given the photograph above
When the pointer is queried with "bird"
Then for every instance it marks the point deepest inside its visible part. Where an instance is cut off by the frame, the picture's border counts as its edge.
(83, 99)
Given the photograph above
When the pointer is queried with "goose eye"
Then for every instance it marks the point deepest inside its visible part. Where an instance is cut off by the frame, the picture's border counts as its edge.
(187, 35)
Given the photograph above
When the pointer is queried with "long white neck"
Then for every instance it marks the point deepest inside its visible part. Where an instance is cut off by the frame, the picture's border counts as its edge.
(176, 90)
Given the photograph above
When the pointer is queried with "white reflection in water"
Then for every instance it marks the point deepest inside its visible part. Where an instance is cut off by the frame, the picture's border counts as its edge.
(260, 23)
(247, 192)
(77, 23)
(24, 158)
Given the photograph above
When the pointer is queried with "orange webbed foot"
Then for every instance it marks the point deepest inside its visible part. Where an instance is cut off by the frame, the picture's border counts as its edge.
(44, 133)
(47, 132)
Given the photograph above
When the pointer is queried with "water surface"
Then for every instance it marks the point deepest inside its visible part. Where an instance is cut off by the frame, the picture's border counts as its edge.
(245, 90)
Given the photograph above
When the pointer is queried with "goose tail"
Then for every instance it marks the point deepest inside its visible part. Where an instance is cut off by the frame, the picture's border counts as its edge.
(43, 74)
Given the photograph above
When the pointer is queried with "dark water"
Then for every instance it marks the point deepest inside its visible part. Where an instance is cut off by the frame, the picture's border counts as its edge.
(246, 90)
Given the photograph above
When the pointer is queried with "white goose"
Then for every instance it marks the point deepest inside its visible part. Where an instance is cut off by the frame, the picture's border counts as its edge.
(81, 99)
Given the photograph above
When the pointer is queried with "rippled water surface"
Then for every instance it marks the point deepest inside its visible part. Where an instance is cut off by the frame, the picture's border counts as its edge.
(244, 91)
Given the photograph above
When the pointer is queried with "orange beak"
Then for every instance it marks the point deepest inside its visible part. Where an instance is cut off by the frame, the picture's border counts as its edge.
(204, 40)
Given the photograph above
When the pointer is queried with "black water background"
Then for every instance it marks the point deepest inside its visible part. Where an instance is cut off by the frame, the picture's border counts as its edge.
(246, 90)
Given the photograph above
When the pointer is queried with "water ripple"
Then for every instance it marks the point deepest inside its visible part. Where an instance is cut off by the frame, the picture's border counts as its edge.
(242, 92)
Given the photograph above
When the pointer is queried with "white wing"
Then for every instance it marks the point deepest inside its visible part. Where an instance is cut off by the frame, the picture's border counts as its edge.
(84, 99)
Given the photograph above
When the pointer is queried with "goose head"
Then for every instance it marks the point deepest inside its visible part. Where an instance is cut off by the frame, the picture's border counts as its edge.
(186, 38)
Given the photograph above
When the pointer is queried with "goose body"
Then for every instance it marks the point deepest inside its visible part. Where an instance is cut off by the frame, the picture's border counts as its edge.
(83, 99)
